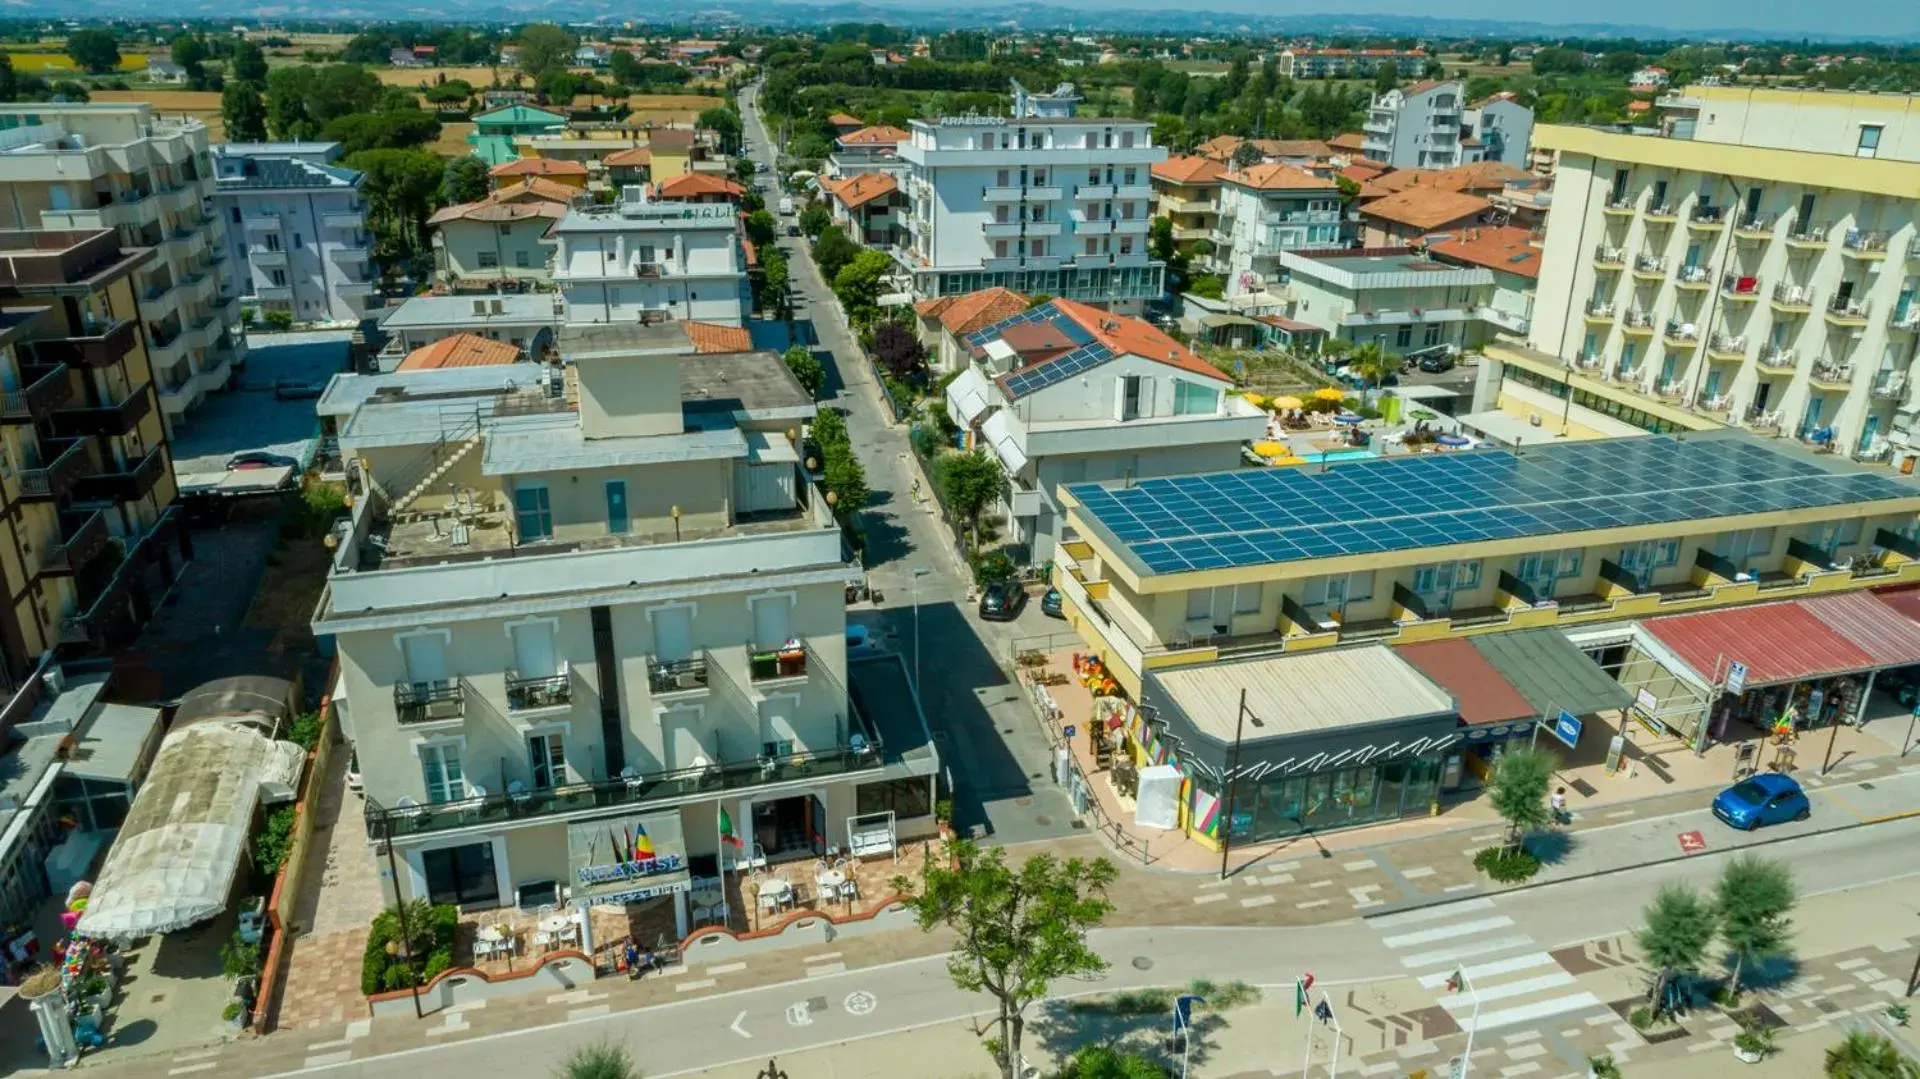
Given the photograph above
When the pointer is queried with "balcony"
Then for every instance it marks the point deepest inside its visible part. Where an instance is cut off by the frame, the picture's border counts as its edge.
(1739, 289)
(1832, 376)
(1808, 237)
(119, 418)
(1792, 299)
(343, 219)
(679, 677)
(1706, 218)
(124, 485)
(85, 537)
(1865, 245)
(1094, 191)
(49, 389)
(1618, 207)
(443, 700)
(1693, 278)
(529, 693)
(260, 223)
(1905, 319)
(1637, 322)
(100, 344)
(1680, 335)
(1609, 258)
(266, 259)
(1663, 214)
(1727, 347)
(783, 664)
(1649, 268)
(1598, 312)
(1848, 311)
(1890, 385)
(58, 477)
(1775, 360)
(1589, 361)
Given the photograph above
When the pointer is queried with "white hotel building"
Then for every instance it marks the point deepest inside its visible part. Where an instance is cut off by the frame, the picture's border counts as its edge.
(639, 259)
(1041, 201)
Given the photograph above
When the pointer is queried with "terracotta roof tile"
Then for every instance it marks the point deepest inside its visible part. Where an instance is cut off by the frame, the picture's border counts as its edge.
(490, 210)
(1425, 207)
(860, 188)
(690, 185)
(537, 166)
(1220, 147)
(460, 350)
(1279, 178)
(635, 155)
(841, 119)
(535, 187)
(1136, 337)
(1507, 249)
(711, 337)
(880, 135)
(1189, 169)
(974, 310)
(1311, 148)
(1351, 140)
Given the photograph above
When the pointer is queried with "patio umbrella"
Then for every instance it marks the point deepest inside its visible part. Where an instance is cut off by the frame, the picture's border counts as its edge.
(1328, 393)
(1271, 449)
(1455, 440)
(1285, 402)
(1255, 400)
(1348, 419)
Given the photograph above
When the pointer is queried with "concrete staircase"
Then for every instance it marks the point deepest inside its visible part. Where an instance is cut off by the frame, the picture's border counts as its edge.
(433, 475)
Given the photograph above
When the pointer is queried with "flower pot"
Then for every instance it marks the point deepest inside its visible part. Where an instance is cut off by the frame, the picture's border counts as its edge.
(1748, 1056)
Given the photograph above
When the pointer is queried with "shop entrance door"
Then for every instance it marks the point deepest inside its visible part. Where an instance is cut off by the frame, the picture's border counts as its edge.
(461, 875)
(790, 827)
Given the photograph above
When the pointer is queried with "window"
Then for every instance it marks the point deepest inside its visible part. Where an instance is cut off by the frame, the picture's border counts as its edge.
(1869, 145)
(1432, 336)
(488, 260)
(297, 242)
(1246, 598)
(618, 520)
(772, 620)
(506, 230)
(1445, 578)
(1193, 399)
(443, 771)
(904, 798)
(1403, 337)
(1001, 178)
(272, 241)
(425, 655)
(534, 653)
(278, 277)
(547, 757)
(1000, 214)
(236, 215)
(520, 259)
(1093, 246)
(1132, 394)
(532, 512)
(1217, 606)
(1000, 249)
(1742, 546)
(777, 737)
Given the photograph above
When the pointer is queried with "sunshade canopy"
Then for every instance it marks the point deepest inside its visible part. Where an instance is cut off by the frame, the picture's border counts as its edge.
(1551, 673)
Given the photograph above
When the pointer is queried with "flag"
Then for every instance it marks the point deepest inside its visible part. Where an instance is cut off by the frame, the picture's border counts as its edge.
(642, 846)
(1299, 996)
(1323, 1011)
(726, 830)
(1455, 980)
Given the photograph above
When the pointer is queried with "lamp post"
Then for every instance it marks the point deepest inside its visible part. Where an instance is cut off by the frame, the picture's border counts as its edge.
(1233, 771)
(914, 585)
(400, 912)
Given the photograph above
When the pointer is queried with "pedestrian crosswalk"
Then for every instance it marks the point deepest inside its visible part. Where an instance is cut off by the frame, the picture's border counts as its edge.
(1512, 978)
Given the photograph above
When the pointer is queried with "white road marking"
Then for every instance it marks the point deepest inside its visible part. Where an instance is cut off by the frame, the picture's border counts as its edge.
(1540, 1009)
(1481, 949)
(1489, 970)
(205, 1066)
(826, 970)
(575, 1015)
(737, 1028)
(1463, 1002)
(1431, 914)
(689, 987)
(726, 968)
(1449, 932)
(327, 1060)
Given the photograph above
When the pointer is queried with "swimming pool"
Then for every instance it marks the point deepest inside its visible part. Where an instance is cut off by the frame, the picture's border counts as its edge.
(1329, 456)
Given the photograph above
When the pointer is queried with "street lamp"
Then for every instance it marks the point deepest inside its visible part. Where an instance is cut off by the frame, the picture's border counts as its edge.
(914, 585)
(1233, 769)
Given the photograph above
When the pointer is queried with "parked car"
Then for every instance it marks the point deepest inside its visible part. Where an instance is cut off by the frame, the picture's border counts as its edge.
(1434, 361)
(1902, 684)
(252, 459)
(860, 641)
(1002, 601)
(1762, 799)
(793, 230)
(1051, 604)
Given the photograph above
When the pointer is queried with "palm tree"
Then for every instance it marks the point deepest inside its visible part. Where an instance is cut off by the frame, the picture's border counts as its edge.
(1373, 365)
(603, 1061)
(1869, 1056)
(1679, 927)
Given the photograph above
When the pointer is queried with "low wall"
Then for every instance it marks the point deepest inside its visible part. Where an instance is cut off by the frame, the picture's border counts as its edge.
(556, 972)
(715, 944)
(293, 871)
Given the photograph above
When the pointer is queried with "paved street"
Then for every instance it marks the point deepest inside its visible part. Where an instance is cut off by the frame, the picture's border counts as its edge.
(985, 734)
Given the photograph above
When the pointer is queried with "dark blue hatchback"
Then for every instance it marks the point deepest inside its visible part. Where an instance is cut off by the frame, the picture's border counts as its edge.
(1767, 798)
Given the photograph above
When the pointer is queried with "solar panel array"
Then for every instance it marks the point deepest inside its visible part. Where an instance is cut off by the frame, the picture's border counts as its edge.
(1264, 516)
(1041, 375)
(1073, 330)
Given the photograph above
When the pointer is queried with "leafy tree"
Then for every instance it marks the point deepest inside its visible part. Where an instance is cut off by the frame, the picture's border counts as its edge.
(1019, 930)
(190, 52)
(1679, 927)
(858, 284)
(810, 146)
(776, 285)
(723, 122)
(453, 92)
(806, 367)
(1557, 60)
(243, 113)
(846, 481)
(9, 82)
(603, 1061)
(463, 180)
(1102, 1062)
(1752, 899)
(761, 229)
(370, 48)
(1518, 789)
(969, 484)
(1386, 76)
(815, 219)
(626, 68)
(96, 51)
(399, 129)
(400, 188)
(1866, 1055)
(302, 98)
(1207, 286)
(250, 63)
(544, 46)
(832, 251)
(1246, 155)
(899, 352)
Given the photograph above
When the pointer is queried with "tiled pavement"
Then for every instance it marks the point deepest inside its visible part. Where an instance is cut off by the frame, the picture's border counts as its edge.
(339, 897)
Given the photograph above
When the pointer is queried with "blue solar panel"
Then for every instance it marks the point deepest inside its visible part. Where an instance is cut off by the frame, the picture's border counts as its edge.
(1072, 330)
(1263, 516)
(1041, 375)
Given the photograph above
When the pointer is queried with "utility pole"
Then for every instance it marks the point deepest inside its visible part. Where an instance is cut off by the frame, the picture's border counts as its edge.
(400, 912)
(1232, 777)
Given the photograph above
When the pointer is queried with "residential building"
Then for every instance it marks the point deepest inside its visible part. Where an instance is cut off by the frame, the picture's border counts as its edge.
(150, 178)
(296, 231)
(1402, 218)
(1065, 393)
(845, 123)
(699, 187)
(867, 206)
(1755, 266)
(1186, 192)
(674, 150)
(1512, 254)
(85, 469)
(1649, 79)
(1347, 63)
(643, 259)
(1300, 153)
(870, 149)
(1038, 201)
(554, 170)
(526, 321)
(1429, 125)
(606, 602)
(1265, 211)
(945, 323)
(497, 238)
(628, 167)
(461, 350)
(1392, 297)
(494, 130)
(164, 72)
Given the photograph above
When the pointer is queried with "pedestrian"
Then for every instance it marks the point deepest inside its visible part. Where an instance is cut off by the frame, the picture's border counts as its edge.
(1559, 803)
(631, 953)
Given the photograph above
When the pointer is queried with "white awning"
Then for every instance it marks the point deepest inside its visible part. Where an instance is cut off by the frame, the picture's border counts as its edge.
(895, 299)
(967, 396)
(764, 448)
(998, 431)
(173, 863)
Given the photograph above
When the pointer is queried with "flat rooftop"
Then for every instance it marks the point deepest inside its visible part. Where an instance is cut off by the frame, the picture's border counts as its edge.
(1308, 693)
(1372, 264)
(1255, 517)
(488, 533)
(515, 309)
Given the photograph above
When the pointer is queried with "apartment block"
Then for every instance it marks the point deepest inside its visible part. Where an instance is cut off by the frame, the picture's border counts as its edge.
(1430, 125)
(1041, 200)
(1267, 210)
(1396, 298)
(641, 259)
(1757, 265)
(84, 465)
(1065, 393)
(502, 237)
(151, 179)
(1347, 63)
(604, 598)
(296, 231)
(1186, 191)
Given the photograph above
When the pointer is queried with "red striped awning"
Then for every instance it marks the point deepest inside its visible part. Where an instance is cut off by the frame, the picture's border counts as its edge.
(1778, 642)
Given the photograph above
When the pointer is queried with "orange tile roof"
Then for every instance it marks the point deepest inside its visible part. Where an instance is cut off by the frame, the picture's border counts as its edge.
(841, 119)
(690, 185)
(860, 188)
(1312, 148)
(535, 187)
(635, 155)
(460, 350)
(537, 166)
(1480, 176)
(1506, 248)
(1279, 178)
(974, 310)
(881, 135)
(1362, 171)
(1136, 337)
(711, 337)
(1394, 181)
(492, 210)
(1189, 169)
(1220, 147)
(1352, 140)
(1425, 207)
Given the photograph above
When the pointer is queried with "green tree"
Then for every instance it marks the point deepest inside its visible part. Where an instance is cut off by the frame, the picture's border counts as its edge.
(1753, 898)
(603, 1061)
(723, 122)
(1102, 1062)
(96, 51)
(1018, 930)
(463, 180)
(189, 50)
(371, 48)
(969, 484)
(858, 284)
(1386, 76)
(9, 82)
(832, 251)
(899, 352)
(761, 229)
(815, 219)
(243, 113)
(1207, 286)
(776, 285)
(1518, 789)
(806, 367)
(625, 67)
(400, 188)
(1245, 156)
(1866, 1055)
(250, 63)
(1678, 928)
(544, 46)
(394, 130)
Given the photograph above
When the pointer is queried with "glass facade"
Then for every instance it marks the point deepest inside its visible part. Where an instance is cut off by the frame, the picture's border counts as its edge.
(1606, 406)
(1103, 285)
(1340, 798)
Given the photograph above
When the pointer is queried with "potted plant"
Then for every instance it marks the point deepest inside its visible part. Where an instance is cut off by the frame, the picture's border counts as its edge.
(943, 817)
(234, 1015)
(96, 991)
(1602, 1067)
(1752, 1044)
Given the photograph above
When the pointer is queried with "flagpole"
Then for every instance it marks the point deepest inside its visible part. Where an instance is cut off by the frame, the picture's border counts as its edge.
(1473, 1025)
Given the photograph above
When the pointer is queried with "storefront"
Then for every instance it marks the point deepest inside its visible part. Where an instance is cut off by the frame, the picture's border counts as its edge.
(1313, 742)
(1494, 714)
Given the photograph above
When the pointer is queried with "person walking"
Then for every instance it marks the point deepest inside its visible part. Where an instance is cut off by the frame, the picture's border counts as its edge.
(1558, 802)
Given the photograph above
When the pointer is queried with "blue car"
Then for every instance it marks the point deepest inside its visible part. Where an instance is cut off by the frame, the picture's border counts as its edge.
(1767, 798)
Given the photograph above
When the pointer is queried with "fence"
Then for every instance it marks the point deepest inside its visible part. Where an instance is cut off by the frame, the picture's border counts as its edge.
(293, 872)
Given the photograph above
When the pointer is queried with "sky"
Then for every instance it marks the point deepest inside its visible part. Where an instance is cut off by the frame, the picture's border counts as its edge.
(1756, 18)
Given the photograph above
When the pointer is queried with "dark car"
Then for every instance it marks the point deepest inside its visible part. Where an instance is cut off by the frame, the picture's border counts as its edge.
(1437, 364)
(793, 230)
(1766, 798)
(1002, 601)
(1051, 604)
(1902, 685)
(252, 459)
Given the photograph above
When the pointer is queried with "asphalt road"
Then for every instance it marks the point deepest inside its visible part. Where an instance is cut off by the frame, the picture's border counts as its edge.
(843, 1008)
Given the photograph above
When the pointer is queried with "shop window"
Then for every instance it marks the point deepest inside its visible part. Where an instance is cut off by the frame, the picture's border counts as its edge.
(904, 798)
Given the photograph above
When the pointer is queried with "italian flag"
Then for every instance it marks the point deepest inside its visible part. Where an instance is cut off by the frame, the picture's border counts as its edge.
(727, 834)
